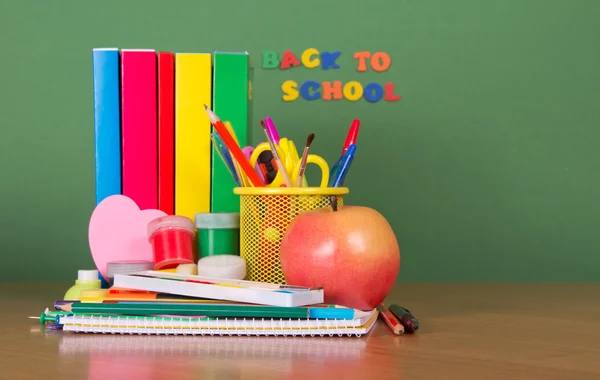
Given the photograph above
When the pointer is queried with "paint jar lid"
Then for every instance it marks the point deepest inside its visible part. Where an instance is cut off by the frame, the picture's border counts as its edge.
(170, 222)
(87, 275)
(217, 220)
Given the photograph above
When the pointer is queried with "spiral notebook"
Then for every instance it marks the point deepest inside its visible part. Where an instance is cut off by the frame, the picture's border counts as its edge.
(159, 325)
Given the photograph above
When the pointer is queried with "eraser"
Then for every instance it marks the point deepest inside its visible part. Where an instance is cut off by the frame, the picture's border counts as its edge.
(222, 266)
(187, 269)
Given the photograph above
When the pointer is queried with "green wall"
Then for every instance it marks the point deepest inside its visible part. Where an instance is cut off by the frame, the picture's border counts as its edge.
(487, 168)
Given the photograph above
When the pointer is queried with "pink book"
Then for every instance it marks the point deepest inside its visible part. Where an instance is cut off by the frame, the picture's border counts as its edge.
(138, 127)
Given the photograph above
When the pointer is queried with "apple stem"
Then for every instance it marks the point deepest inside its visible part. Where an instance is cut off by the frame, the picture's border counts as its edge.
(334, 204)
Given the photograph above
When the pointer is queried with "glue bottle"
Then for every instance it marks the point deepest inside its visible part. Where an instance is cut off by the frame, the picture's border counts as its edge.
(86, 280)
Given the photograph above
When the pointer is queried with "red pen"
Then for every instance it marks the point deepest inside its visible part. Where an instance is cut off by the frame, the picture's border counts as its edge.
(352, 135)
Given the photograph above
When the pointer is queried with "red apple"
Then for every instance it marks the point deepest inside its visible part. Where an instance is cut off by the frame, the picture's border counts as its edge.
(352, 253)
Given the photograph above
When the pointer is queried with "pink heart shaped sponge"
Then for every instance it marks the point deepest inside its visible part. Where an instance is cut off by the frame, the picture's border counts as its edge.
(118, 231)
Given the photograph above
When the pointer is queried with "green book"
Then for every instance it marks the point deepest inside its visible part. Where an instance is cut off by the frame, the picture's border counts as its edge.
(231, 102)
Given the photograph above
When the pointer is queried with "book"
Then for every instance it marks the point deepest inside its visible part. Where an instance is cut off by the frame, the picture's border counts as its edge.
(107, 122)
(230, 102)
(139, 132)
(166, 132)
(164, 325)
(193, 88)
(203, 287)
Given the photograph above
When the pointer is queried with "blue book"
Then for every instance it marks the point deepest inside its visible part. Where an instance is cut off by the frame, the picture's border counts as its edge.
(107, 122)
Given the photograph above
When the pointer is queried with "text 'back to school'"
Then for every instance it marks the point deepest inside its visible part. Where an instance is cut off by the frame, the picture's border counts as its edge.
(353, 91)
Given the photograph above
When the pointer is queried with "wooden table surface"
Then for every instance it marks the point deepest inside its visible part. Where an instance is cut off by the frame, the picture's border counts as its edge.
(468, 331)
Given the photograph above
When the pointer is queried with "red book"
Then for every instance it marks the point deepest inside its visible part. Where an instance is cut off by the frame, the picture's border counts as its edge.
(138, 129)
(166, 132)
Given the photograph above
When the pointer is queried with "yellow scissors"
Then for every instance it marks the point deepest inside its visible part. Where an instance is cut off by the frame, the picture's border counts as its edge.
(291, 161)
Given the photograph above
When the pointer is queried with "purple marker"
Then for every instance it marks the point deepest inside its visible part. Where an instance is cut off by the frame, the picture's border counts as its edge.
(271, 130)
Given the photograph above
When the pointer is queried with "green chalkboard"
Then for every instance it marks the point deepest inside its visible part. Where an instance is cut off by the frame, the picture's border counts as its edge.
(487, 168)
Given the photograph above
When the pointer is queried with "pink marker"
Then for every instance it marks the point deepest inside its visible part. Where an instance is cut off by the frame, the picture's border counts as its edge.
(272, 130)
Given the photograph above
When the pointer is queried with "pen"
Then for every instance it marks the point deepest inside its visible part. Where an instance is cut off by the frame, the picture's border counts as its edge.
(352, 135)
(344, 167)
(391, 320)
(225, 157)
(407, 320)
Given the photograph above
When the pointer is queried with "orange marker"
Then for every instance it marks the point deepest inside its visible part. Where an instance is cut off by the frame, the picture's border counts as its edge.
(391, 320)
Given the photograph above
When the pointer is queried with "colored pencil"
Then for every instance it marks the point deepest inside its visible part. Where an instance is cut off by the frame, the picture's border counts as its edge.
(390, 320)
(188, 309)
(234, 148)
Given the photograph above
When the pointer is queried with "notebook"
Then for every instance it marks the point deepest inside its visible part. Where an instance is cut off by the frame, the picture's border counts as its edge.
(219, 289)
(161, 325)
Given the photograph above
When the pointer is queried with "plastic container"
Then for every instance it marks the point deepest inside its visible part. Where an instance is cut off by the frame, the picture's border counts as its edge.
(265, 214)
(172, 240)
(86, 280)
(218, 233)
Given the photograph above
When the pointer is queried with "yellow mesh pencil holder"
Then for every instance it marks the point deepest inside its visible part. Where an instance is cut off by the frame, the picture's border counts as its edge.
(265, 214)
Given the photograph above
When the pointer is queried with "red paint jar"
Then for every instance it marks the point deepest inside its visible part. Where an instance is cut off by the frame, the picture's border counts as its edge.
(172, 240)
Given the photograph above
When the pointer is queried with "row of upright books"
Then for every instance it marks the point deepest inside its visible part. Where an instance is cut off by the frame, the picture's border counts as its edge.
(152, 135)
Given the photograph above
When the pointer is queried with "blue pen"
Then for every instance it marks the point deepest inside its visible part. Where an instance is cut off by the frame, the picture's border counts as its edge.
(335, 169)
(225, 156)
(344, 166)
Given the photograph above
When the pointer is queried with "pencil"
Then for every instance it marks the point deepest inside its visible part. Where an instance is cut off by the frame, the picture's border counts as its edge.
(234, 148)
(309, 141)
(280, 167)
(391, 320)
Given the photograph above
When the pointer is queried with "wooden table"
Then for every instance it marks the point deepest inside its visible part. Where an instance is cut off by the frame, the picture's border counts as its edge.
(468, 331)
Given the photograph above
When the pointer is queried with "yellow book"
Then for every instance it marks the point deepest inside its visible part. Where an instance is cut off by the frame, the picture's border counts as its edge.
(193, 89)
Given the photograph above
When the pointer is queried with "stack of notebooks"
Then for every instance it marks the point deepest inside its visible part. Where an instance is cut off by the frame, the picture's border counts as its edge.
(152, 134)
(154, 302)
